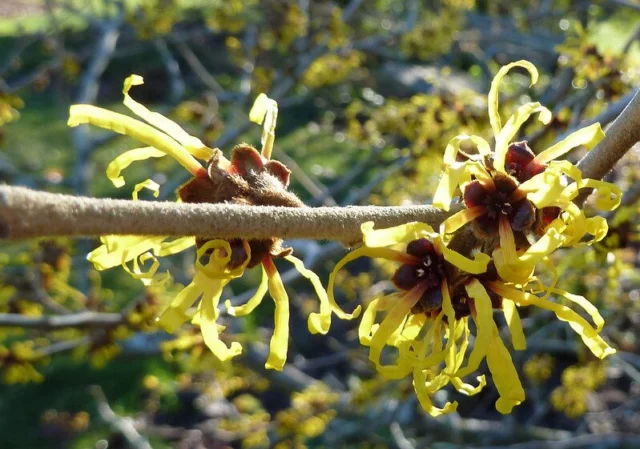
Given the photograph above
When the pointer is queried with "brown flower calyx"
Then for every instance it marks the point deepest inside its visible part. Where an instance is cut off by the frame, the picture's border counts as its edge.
(424, 267)
(247, 179)
(502, 201)
(462, 304)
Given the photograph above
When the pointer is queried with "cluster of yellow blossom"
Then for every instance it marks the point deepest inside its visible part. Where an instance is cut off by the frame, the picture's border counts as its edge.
(577, 383)
(519, 206)
(249, 177)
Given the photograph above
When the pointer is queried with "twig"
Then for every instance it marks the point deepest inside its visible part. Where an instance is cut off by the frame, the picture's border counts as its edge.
(52, 322)
(399, 439)
(623, 133)
(319, 191)
(199, 69)
(176, 83)
(612, 441)
(124, 426)
(26, 213)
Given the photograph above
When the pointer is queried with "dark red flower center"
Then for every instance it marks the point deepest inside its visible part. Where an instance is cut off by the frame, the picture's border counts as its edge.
(519, 162)
(502, 201)
(427, 270)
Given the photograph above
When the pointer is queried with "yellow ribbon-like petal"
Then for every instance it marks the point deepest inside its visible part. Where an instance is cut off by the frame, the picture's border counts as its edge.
(392, 321)
(148, 184)
(367, 322)
(476, 265)
(484, 325)
(512, 317)
(191, 143)
(265, 110)
(280, 339)
(588, 333)
(508, 133)
(122, 161)
(378, 238)
(424, 397)
(494, 92)
(319, 322)
(122, 124)
(176, 313)
(254, 301)
(208, 325)
(588, 136)
(504, 374)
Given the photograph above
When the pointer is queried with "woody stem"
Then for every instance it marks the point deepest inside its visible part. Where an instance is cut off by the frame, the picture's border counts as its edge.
(26, 213)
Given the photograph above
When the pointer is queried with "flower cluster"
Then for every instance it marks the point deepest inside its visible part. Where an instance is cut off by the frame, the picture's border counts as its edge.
(247, 178)
(516, 205)
(578, 382)
(520, 207)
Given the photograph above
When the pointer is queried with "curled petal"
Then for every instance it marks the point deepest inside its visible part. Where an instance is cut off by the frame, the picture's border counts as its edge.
(476, 265)
(176, 313)
(265, 112)
(459, 219)
(122, 161)
(253, 302)
(608, 196)
(520, 270)
(137, 273)
(122, 124)
(508, 133)
(384, 253)
(149, 184)
(598, 228)
(484, 325)
(454, 144)
(424, 397)
(117, 249)
(494, 92)
(191, 143)
(512, 317)
(369, 316)
(392, 321)
(457, 175)
(280, 339)
(588, 333)
(468, 389)
(454, 325)
(175, 246)
(377, 238)
(319, 322)
(208, 326)
(588, 136)
(504, 374)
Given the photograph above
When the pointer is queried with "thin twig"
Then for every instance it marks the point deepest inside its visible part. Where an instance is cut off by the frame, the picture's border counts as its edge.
(123, 426)
(26, 213)
(52, 322)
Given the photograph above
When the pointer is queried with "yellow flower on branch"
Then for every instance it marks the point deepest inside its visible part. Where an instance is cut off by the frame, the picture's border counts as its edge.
(427, 321)
(512, 193)
(248, 178)
(417, 319)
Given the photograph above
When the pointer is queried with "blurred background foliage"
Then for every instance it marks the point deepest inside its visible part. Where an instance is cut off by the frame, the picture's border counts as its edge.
(370, 92)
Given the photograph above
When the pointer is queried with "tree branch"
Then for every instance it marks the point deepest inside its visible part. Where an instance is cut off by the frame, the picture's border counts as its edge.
(26, 213)
(53, 322)
(623, 133)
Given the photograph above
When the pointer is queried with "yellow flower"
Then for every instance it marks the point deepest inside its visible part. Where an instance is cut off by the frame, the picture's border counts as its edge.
(17, 363)
(249, 177)
(428, 320)
(511, 193)
(422, 315)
